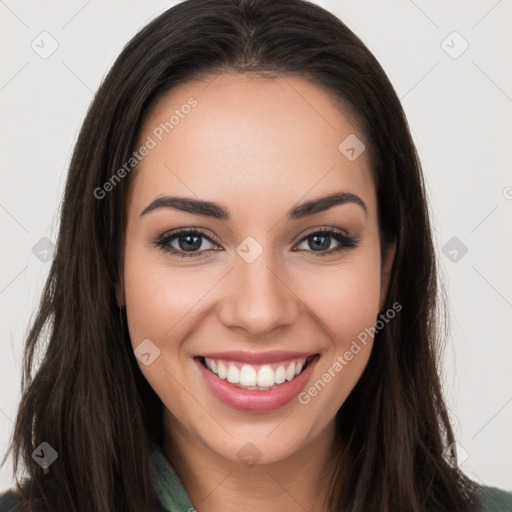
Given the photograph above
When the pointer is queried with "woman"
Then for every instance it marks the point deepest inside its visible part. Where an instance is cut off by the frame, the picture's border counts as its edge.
(242, 309)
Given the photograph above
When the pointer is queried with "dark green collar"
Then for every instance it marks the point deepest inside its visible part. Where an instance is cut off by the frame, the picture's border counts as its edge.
(174, 497)
(169, 487)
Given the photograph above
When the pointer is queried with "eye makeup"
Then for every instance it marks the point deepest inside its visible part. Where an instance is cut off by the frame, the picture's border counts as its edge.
(196, 236)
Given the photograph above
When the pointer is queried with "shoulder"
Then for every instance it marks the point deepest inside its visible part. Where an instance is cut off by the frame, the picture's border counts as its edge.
(10, 501)
(492, 499)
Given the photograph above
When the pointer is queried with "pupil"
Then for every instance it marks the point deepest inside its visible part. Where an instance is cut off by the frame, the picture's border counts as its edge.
(318, 245)
(193, 245)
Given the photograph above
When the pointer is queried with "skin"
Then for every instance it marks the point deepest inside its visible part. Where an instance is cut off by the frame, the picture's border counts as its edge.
(258, 146)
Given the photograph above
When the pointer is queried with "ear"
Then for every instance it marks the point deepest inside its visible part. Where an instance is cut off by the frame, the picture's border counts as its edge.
(388, 257)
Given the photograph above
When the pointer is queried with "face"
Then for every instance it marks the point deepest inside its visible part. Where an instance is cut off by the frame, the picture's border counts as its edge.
(269, 293)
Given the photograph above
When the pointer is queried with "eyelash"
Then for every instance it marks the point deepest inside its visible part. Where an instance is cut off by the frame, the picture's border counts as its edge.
(346, 242)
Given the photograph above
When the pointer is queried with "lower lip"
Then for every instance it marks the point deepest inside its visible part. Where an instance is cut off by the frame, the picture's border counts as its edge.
(252, 400)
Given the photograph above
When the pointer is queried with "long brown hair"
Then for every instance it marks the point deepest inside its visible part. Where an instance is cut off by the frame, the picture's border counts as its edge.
(88, 398)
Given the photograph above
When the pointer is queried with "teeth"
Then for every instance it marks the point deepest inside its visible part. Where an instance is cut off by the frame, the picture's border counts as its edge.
(265, 376)
(233, 374)
(222, 371)
(256, 377)
(280, 375)
(247, 375)
(290, 371)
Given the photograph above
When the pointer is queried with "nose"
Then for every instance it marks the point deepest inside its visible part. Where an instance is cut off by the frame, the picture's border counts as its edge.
(258, 297)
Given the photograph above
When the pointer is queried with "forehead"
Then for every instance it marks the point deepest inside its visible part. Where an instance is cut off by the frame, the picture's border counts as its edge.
(248, 138)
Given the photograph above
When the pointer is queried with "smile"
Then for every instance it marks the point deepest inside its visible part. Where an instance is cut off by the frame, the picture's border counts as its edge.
(256, 377)
(256, 382)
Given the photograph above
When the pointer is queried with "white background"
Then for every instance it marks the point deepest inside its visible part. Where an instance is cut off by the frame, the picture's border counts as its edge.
(460, 116)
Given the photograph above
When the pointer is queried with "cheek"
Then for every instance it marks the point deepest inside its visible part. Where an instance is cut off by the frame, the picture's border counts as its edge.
(347, 300)
(158, 298)
(347, 305)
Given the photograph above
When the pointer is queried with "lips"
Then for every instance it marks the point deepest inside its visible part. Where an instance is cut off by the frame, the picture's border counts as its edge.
(258, 396)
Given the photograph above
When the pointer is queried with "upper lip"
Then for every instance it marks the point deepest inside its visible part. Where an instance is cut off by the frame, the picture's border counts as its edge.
(274, 356)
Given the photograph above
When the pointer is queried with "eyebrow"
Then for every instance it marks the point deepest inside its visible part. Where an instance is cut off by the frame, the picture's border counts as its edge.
(211, 209)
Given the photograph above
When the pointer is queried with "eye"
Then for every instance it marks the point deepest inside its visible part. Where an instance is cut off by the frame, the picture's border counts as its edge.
(190, 243)
(186, 243)
(321, 240)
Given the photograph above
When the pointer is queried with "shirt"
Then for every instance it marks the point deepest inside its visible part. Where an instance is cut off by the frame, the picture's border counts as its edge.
(174, 497)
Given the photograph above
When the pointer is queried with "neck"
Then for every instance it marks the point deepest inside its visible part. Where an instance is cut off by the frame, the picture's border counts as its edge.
(302, 481)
